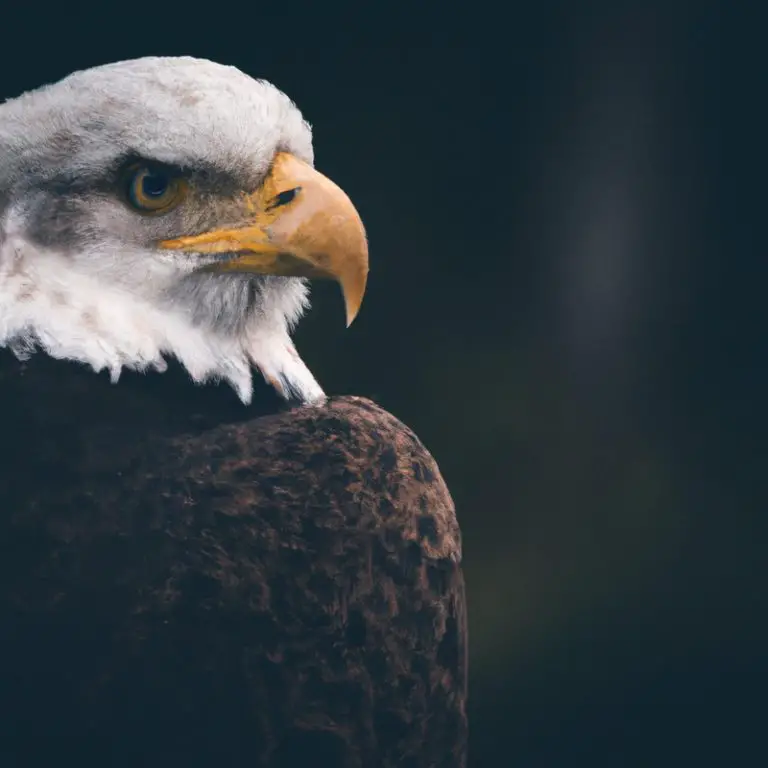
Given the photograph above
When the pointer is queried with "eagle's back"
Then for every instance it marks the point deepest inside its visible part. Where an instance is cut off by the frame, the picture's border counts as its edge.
(279, 591)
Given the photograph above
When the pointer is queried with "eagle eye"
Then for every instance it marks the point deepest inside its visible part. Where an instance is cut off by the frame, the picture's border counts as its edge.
(154, 189)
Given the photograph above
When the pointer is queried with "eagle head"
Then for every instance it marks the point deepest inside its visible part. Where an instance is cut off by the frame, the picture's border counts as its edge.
(168, 207)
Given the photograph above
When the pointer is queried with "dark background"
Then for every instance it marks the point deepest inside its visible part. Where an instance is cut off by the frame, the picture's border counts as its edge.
(560, 311)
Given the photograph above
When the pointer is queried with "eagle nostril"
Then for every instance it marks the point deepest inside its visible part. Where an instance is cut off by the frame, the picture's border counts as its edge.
(283, 198)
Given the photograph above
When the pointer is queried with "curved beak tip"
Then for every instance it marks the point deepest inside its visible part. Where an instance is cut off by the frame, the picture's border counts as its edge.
(353, 298)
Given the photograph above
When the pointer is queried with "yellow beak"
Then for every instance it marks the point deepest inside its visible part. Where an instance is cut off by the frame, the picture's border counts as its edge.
(300, 224)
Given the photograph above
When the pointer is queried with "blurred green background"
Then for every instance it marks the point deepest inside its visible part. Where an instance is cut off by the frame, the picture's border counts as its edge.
(558, 311)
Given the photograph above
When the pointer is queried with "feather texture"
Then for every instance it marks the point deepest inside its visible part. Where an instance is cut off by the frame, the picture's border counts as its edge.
(275, 591)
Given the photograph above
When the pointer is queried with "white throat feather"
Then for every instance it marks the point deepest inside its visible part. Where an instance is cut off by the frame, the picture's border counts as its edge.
(45, 304)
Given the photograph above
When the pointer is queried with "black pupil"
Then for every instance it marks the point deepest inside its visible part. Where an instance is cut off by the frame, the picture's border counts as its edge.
(154, 184)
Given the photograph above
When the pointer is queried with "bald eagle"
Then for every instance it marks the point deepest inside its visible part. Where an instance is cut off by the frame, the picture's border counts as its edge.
(202, 566)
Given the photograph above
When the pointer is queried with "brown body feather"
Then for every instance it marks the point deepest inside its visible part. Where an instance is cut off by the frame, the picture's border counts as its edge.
(277, 591)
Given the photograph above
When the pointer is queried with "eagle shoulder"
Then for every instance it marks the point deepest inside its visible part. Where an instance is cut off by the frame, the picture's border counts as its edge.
(349, 534)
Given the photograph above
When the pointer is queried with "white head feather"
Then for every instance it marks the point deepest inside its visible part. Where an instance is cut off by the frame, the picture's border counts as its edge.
(78, 276)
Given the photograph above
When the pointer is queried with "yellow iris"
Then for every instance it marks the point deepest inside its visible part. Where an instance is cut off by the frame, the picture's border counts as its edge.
(153, 189)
